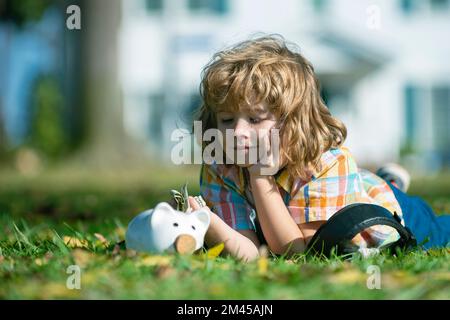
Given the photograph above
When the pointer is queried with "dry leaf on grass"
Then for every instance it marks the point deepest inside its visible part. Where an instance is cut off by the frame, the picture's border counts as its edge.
(72, 242)
(440, 275)
(102, 239)
(39, 261)
(348, 276)
(55, 290)
(263, 262)
(155, 260)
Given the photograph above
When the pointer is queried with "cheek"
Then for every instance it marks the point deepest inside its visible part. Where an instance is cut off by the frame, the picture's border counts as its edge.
(265, 126)
(270, 124)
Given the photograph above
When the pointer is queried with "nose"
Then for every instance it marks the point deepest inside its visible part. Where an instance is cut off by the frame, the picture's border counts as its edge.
(185, 244)
(242, 130)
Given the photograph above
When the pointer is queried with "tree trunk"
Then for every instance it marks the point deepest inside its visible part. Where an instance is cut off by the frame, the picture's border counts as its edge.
(106, 142)
(5, 57)
(2, 135)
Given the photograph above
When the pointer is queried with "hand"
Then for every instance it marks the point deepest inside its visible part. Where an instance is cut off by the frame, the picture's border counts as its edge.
(268, 162)
(195, 205)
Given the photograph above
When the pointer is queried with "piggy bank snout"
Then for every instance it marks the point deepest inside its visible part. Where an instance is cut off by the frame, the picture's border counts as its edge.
(185, 244)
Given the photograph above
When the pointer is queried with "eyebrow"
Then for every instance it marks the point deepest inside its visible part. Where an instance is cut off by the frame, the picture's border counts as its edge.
(258, 109)
(248, 109)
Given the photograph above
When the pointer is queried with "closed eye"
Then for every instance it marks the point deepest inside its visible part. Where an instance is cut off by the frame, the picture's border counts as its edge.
(227, 120)
(193, 227)
(255, 120)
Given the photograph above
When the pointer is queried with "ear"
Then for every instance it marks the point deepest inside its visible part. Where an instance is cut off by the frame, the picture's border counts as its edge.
(160, 213)
(203, 216)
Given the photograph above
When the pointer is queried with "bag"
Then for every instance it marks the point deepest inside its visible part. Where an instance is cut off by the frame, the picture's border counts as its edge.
(336, 234)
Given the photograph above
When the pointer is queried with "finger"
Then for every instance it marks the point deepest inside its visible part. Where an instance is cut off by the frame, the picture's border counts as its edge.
(266, 150)
(200, 201)
(261, 147)
(268, 146)
(275, 146)
(194, 204)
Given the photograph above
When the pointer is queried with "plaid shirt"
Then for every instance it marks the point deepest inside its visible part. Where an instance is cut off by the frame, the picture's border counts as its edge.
(226, 191)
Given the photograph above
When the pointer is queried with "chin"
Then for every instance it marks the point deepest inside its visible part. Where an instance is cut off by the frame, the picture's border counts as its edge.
(241, 165)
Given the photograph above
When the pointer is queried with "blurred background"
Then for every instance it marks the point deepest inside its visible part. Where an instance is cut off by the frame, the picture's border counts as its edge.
(91, 90)
(104, 98)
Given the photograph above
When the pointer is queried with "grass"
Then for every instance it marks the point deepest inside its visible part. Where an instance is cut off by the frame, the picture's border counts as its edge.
(59, 219)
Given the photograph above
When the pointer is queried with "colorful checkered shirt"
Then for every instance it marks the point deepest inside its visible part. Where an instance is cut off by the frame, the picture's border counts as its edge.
(340, 182)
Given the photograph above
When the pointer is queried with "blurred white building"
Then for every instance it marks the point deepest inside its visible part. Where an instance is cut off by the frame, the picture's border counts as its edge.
(384, 66)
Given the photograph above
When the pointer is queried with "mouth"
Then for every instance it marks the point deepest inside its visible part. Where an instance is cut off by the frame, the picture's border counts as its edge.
(243, 148)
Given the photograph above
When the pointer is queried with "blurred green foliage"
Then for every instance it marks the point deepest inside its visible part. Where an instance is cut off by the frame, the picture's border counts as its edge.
(2, 137)
(48, 134)
(21, 11)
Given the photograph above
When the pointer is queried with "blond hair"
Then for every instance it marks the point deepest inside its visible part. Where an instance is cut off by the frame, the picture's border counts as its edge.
(266, 70)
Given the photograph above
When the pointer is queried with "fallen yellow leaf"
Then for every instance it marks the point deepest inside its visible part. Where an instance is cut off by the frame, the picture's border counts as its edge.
(38, 262)
(57, 291)
(155, 261)
(263, 262)
(348, 277)
(441, 275)
(101, 238)
(398, 279)
(75, 242)
(215, 251)
(216, 289)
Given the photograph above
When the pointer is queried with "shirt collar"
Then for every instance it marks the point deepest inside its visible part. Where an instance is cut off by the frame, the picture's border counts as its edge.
(327, 160)
(234, 176)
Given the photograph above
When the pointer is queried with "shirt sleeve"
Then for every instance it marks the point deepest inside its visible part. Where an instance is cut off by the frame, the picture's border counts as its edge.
(224, 200)
(378, 190)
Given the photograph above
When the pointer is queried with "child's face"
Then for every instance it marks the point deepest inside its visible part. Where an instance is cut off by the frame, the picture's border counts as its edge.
(248, 124)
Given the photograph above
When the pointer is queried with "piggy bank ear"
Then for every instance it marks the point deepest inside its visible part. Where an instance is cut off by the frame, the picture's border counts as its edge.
(203, 216)
(161, 212)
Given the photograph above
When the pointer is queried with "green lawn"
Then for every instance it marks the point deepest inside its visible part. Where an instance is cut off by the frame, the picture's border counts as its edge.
(62, 218)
